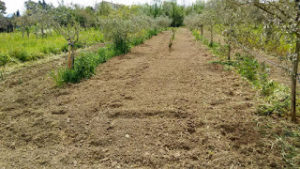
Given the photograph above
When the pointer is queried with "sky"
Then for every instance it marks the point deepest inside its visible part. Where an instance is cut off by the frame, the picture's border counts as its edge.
(14, 5)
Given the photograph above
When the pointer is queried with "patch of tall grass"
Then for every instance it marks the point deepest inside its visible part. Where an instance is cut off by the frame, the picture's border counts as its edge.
(13, 45)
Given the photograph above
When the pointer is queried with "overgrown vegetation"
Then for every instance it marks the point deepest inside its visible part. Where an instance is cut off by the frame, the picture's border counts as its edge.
(23, 49)
(84, 67)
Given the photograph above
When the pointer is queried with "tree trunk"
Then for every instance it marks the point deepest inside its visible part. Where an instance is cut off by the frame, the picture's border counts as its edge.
(28, 33)
(294, 81)
(211, 36)
(202, 31)
(71, 57)
(295, 70)
(43, 32)
(229, 52)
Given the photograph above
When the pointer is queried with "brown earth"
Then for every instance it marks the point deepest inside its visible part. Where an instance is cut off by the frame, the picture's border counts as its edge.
(151, 108)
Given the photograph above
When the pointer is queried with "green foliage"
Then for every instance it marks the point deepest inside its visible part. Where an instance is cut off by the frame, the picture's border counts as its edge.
(4, 59)
(118, 30)
(25, 49)
(20, 54)
(170, 9)
(105, 54)
(247, 67)
(121, 44)
(84, 67)
(177, 15)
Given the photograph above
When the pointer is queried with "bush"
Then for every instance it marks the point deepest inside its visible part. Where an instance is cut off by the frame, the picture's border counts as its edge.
(162, 22)
(152, 32)
(105, 54)
(20, 54)
(4, 59)
(177, 16)
(247, 67)
(65, 48)
(118, 30)
(84, 66)
(121, 44)
(194, 21)
(137, 41)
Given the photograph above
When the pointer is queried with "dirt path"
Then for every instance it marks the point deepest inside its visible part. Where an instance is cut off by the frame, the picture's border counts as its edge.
(152, 108)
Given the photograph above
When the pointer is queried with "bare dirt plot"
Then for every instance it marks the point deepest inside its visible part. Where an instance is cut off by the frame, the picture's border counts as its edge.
(151, 108)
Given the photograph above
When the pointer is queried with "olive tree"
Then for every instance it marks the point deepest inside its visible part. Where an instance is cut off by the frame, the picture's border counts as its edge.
(118, 29)
(64, 22)
(195, 21)
(211, 18)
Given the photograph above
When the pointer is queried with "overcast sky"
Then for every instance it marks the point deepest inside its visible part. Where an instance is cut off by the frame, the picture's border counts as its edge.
(14, 5)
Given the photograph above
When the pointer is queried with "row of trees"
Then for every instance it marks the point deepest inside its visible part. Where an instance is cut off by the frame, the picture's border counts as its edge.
(273, 26)
(38, 16)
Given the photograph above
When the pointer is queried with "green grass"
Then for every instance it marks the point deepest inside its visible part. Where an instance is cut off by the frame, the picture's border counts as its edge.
(17, 48)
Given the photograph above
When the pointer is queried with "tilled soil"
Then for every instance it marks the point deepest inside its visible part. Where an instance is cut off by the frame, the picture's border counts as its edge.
(152, 108)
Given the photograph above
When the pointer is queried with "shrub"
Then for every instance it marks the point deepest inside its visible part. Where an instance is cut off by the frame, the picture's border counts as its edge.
(105, 54)
(163, 22)
(137, 41)
(247, 67)
(20, 54)
(121, 44)
(64, 48)
(152, 32)
(177, 15)
(194, 21)
(84, 67)
(4, 59)
(118, 30)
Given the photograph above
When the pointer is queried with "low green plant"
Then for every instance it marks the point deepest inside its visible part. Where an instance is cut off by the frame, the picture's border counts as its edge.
(105, 54)
(20, 54)
(84, 67)
(4, 59)
(247, 67)
(1, 75)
